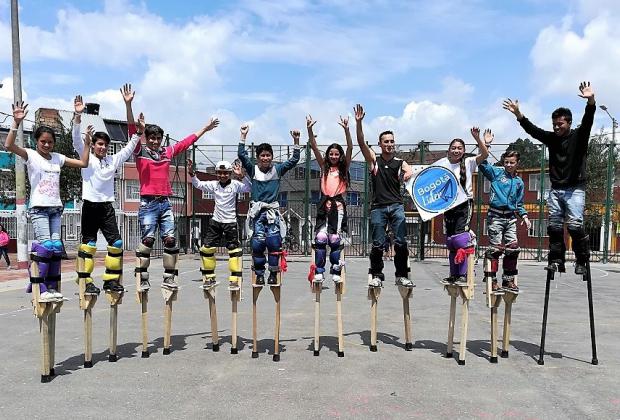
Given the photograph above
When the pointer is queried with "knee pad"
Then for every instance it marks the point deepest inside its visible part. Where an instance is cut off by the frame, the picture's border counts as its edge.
(85, 263)
(113, 264)
(40, 258)
(321, 238)
(148, 242)
(57, 245)
(170, 242)
(170, 259)
(320, 251)
(334, 259)
(258, 255)
(235, 265)
(510, 259)
(117, 244)
(581, 242)
(493, 253)
(207, 257)
(557, 248)
(143, 260)
(401, 254)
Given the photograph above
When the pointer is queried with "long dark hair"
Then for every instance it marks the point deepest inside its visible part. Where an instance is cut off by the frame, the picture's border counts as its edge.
(343, 171)
(463, 173)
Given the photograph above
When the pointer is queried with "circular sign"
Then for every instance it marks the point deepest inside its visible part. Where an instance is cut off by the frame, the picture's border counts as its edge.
(435, 189)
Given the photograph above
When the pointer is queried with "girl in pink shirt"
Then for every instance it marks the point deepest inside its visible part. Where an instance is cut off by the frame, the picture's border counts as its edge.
(331, 216)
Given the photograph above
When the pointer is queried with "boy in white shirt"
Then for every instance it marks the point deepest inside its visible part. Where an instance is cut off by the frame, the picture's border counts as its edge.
(224, 220)
(98, 195)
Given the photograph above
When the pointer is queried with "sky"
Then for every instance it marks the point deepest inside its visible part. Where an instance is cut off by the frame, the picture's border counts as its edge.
(426, 70)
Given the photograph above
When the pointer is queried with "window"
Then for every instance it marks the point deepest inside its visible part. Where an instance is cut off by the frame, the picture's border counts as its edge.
(534, 185)
(485, 228)
(300, 172)
(487, 185)
(356, 172)
(132, 190)
(353, 198)
(178, 189)
(283, 198)
(315, 197)
(315, 173)
(533, 231)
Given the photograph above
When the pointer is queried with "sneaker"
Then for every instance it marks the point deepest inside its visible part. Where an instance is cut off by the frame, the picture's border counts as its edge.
(460, 281)
(113, 286)
(374, 281)
(170, 283)
(404, 281)
(336, 278)
(580, 269)
(144, 285)
(272, 280)
(91, 289)
(318, 278)
(55, 293)
(260, 280)
(209, 283)
(46, 297)
(510, 286)
(557, 265)
(495, 287)
(448, 280)
(233, 285)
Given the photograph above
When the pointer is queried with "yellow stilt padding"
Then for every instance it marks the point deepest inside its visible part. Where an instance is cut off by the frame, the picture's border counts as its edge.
(235, 266)
(113, 264)
(207, 258)
(85, 264)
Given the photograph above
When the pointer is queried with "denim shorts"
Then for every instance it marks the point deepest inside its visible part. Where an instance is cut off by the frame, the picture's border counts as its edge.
(155, 213)
(567, 205)
(46, 222)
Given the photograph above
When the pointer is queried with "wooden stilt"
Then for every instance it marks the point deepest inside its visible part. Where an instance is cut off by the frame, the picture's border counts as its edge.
(209, 294)
(496, 300)
(466, 292)
(453, 292)
(373, 296)
(276, 290)
(317, 288)
(339, 289)
(509, 298)
(234, 297)
(143, 300)
(406, 293)
(114, 299)
(169, 297)
(45, 341)
(256, 289)
(87, 303)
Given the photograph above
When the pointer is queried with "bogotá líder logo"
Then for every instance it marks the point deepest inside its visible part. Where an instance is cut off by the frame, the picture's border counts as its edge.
(435, 189)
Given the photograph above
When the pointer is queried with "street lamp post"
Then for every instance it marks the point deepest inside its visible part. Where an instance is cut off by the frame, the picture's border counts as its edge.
(610, 182)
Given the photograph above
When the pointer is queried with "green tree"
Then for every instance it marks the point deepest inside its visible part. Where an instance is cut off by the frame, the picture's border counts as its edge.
(529, 151)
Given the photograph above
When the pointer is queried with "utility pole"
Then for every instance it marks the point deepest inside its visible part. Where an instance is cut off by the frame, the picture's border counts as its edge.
(609, 199)
(20, 176)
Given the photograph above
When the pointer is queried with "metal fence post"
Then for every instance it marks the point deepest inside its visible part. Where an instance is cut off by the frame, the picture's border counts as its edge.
(306, 225)
(365, 212)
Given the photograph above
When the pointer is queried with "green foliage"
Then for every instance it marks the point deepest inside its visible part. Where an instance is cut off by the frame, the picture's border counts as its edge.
(530, 153)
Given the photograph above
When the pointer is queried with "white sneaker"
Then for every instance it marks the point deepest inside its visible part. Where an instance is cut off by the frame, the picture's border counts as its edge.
(336, 278)
(46, 297)
(55, 293)
(404, 281)
(374, 281)
(318, 278)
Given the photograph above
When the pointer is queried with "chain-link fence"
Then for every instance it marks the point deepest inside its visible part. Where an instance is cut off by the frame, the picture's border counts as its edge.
(300, 194)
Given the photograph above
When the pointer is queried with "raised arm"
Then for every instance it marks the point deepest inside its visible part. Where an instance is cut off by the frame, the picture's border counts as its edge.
(125, 153)
(312, 139)
(19, 113)
(587, 92)
(289, 164)
(369, 155)
(242, 154)
(78, 106)
(482, 145)
(534, 131)
(184, 144)
(83, 162)
(344, 123)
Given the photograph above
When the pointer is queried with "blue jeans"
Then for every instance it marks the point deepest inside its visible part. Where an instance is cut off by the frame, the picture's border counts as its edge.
(154, 213)
(46, 222)
(266, 236)
(566, 205)
(380, 217)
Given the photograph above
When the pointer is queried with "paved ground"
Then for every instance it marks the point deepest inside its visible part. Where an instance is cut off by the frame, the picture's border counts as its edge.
(193, 381)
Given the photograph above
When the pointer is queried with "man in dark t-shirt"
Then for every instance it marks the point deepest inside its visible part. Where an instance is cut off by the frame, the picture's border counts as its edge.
(386, 171)
(568, 151)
